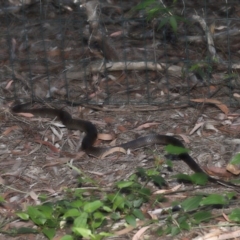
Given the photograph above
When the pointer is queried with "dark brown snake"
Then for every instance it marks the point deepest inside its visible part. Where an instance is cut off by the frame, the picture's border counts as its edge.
(91, 136)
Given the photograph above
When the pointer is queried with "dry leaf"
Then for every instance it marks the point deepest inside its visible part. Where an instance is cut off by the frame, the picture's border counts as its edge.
(48, 144)
(105, 136)
(27, 115)
(234, 169)
(147, 125)
(121, 128)
(217, 171)
(184, 137)
(34, 196)
(219, 104)
(58, 133)
(236, 95)
(116, 34)
(140, 232)
(113, 150)
(196, 127)
(10, 129)
(162, 191)
(9, 84)
(108, 120)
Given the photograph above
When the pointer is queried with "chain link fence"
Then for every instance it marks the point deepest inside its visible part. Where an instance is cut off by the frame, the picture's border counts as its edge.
(120, 52)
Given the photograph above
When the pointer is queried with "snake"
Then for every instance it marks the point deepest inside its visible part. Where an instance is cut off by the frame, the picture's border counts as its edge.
(91, 134)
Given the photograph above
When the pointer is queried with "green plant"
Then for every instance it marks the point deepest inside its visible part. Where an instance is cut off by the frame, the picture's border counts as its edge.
(158, 10)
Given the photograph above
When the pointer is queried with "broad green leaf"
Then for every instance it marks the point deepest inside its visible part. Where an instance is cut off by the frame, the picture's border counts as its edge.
(72, 213)
(184, 225)
(230, 195)
(86, 233)
(202, 216)
(124, 184)
(235, 215)
(77, 203)
(107, 209)
(145, 192)
(137, 203)
(47, 210)
(138, 213)
(235, 159)
(67, 237)
(92, 206)
(115, 216)
(36, 216)
(158, 180)
(176, 150)
(175, 231)
(199, 178)
(173, 23)
(49, 232)
(23, 216)
(119, 202)
(130, 219)
(2, 199)
(214, 199)
(81, 220)
(191, 203)
(182, 176)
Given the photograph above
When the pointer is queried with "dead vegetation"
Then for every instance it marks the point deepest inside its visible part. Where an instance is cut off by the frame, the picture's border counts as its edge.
(100, 53)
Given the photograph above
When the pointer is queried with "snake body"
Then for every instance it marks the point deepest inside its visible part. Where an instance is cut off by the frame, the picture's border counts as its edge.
(91, 136)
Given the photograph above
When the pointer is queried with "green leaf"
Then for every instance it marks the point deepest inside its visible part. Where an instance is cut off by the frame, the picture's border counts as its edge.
(138, 213)
(36, 216)
(82, 232)
(77, 203)
(145, 192)
(92, 206)
(49, 232)
(202, 216)
(175, 231)
(47, 210)
(191, 203)
(236, 159)
(124, 184)
(137, 203)
(2, 199)
(43, 197)
(184, 177)
(196, 178)
(158, 180)
(173, 23)
(231, 195)
(81, 220)
(199, 178)
(73, 212)
(118, 202)
(169, 163)
(115, 216)
(176, 150)
(98, 220)
(23, 216)
(130, 219)
(214, 199)
(184, 225)
(141, 172)
(67, 237)
(235, 215)
(107, 209)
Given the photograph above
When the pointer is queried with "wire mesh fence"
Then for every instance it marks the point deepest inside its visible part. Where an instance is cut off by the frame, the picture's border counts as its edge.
(120, 52)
